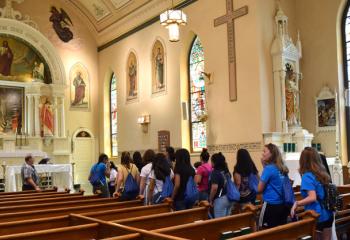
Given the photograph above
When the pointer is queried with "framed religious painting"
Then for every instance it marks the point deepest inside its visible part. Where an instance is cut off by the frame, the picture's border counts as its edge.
(158, 59)
(326, 111)
(79, 87)
(11, 110)
(46, 116)
(132, 83)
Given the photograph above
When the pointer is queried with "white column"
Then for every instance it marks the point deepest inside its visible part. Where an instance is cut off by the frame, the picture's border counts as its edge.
(63, 120)
(36, 116)
(55, 116)
(29, 116)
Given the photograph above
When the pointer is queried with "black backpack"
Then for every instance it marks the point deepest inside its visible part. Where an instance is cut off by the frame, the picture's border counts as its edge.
(332, 201)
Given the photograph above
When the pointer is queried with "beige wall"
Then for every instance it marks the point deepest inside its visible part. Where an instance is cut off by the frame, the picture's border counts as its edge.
(229, 122)
(81, 49)
(319, 63)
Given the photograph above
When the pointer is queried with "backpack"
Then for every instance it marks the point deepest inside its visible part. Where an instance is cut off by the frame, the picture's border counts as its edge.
(287, 191)
(253, 182)
(331, 201)
(167, 190)
(94, 177)
(191, 194)
(232, 193)
(131, 189)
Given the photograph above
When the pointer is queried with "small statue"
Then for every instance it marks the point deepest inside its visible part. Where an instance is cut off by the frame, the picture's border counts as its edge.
(61, 22)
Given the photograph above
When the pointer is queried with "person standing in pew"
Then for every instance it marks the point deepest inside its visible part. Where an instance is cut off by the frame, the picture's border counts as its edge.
(160, 171)
(112, 177)
(30, 178)
(217, 186)
(127, 171)
(242, 171)
(274, 212)
(98, 173)
(183, 171)
(202, 175)
(314, 177)
(147, 159)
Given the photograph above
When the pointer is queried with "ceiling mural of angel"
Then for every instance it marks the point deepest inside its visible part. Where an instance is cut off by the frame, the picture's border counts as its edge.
(61, 23)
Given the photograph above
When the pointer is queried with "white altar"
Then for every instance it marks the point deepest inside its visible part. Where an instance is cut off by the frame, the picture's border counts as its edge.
(61, 174)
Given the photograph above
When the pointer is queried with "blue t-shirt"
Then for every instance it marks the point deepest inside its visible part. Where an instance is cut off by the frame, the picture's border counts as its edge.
(309, 182)
(272, 178)
(100, 169)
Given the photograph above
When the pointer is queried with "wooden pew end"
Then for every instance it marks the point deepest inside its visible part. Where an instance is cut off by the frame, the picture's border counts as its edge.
(250, 208)
(308, 214)
(204, 204)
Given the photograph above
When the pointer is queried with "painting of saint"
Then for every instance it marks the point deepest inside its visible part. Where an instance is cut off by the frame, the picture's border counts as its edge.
(326, 113)
(132, 77)
(21, 62)
(158, 67)
(46, 116)
(11, 109)
(79, 87)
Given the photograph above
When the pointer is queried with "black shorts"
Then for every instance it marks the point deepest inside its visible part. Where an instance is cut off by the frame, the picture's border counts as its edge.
(326, 224)
(273, 215)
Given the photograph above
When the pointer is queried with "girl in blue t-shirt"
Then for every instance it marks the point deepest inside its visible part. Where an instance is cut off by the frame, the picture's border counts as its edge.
(314, 177)
(274, 212)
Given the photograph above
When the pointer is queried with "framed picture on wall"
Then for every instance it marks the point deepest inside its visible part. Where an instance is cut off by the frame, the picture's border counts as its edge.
(158, 67)
(79, 87)
(326, 111)
(132, 83)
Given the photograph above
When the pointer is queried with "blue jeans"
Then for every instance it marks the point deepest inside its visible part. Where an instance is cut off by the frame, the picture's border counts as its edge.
(203, 196)
(222, 207)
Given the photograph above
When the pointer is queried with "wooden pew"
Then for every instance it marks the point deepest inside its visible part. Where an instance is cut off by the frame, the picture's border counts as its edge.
(33, 196)
(30, 193)
(163, 220)
(290, 231)
(87, 231)
(54, 204)
(346, 200)
(210, 229)
(71, 197)
(101, 211)
(342, 223)
(343, 189)
(27, 192)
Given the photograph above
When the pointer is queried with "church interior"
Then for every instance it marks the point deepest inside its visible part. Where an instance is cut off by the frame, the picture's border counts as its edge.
(79, 78)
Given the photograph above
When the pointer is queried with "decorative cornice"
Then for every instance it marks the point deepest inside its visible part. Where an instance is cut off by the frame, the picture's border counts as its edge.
(234, 147)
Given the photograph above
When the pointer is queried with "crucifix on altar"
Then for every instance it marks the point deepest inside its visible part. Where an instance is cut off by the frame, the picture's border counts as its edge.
(229, 18)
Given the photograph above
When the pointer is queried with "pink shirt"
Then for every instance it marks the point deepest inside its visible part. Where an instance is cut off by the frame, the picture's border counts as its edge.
(204, 170)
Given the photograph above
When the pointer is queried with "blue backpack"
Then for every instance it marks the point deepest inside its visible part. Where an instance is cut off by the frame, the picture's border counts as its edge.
(232, 193)
(94, 177)
(167, 190)
(191, 194)
(131, 189)
(287, 191)
(253, 182)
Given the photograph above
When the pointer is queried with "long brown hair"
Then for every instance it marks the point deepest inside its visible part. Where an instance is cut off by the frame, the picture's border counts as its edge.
(276, 158)
(126, 159)
(310, 161)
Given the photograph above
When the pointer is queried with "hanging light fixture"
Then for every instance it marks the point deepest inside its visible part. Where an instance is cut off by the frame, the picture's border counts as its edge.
(172, 19)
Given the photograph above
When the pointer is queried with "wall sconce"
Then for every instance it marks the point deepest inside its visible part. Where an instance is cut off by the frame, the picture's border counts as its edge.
(144, 120)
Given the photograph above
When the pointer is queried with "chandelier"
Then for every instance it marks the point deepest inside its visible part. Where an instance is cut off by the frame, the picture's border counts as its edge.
(172, 19)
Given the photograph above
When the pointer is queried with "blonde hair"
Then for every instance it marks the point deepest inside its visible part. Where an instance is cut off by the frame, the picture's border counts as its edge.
(276, 158)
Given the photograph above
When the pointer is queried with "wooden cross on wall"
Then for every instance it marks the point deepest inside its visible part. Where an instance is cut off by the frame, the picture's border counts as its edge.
(229, 18)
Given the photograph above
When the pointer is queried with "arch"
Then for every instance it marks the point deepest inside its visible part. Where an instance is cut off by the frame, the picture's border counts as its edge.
(40, 43)
(197, 96)
(79, 130)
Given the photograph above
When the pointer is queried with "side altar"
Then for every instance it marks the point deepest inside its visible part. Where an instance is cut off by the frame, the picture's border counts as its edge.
(286, 56)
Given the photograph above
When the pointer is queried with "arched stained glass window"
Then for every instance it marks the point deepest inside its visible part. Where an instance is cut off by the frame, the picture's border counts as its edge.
(114, 115)
(198, 113)
(346, 37)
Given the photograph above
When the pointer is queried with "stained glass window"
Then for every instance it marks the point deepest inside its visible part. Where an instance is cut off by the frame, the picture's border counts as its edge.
(197, 97)
(347, 44)
(114, 116)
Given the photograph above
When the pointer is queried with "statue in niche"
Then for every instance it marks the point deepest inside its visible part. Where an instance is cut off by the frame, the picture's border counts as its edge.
(292, 92)
(46, 117)
(60, 23)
